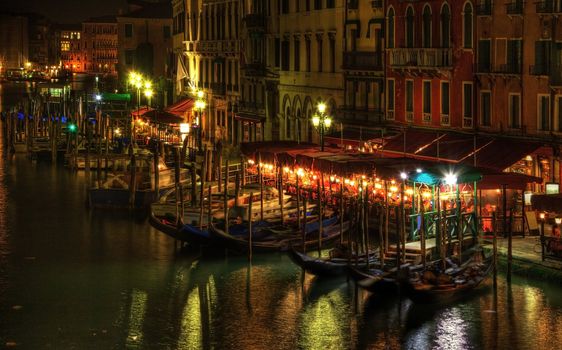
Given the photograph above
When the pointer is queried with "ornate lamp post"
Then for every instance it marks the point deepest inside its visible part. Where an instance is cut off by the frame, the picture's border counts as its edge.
(199, 107)
(321, 121)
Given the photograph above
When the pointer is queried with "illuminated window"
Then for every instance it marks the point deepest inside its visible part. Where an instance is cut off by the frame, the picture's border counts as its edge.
(65, 46)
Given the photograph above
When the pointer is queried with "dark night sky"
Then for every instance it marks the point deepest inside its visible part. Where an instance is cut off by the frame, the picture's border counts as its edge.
(65, 11)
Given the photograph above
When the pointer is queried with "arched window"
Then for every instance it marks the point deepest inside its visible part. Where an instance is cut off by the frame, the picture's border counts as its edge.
(390, 40)
(467, 26)
(426, 28)
(288, 123)
(445, 26)
(410, 27)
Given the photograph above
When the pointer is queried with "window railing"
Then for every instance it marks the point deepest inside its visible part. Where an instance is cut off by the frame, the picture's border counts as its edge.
(377, 4)
(545, 6)
(409, 116)
(421, 58)
(445, 120)
(539, 69)
(510, 68)
(389, 115)
(426, 117)
(483, 67)
(362, 60)
(484, 9)
(514, 8)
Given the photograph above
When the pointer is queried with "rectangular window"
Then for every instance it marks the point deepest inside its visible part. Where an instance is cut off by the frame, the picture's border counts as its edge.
(129, 57)
(320, 54)
(128, 30)
(445, 102)
(330, 4)
(277, 52)
(426, 101)
(285, 52)
(409, 100)
(390, 99)
(515, 111)
(332, 55)
(467, 105)
(543, 112)
(284, 6)
(513, 56)
(317, 4)
(297, 55)
(558, 108)
(486, 108)
(542, 56)
(166, 32)
(308, 55)
(484, 52)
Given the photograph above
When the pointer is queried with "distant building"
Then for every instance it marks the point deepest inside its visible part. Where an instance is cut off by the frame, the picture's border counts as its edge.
(14, 41)
(145, 40)
(71, 48)
(99, 42)
(42, 49)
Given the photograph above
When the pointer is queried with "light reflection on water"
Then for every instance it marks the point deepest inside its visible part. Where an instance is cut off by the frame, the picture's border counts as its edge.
(74, 278)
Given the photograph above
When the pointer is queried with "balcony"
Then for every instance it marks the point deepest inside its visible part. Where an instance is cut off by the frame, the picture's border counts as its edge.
(483, 67)
(510, 68)
(362, 60)
(255, 21)
(423, 58)
(545, 6)
(218, 89)
(514, 8)
(377, 4)
(539, 69)
(255, 69)
(484, 9)
(212, 46)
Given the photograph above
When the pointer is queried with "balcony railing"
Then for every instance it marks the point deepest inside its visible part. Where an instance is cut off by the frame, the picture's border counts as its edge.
(483, 67)
(539, 69)
(484, 9)
(545, 6)
(421, 58)
(255, 21)
(255, 69)
(510, 68)
(409, 116)
(218, 89)
(514, 8)
(213, 46)
(362, 60)
(376, 4)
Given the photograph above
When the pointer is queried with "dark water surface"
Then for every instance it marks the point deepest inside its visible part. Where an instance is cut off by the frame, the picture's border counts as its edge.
(71, 278)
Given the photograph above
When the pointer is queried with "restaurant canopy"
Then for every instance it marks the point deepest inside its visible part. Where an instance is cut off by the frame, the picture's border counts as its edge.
(446, 174)
(181, 107)
(140, 112)
(475, 150)
(162, 117)
(514, 181)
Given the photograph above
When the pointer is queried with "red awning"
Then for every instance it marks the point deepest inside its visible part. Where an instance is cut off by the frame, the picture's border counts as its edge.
(181, 107)
(162, 117)
(492, 153)
(514, 181)
(140, 112)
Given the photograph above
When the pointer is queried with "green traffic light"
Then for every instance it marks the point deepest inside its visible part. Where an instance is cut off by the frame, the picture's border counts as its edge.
(72, 127)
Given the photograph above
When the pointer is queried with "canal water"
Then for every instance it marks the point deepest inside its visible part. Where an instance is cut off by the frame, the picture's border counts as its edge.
(73, 278)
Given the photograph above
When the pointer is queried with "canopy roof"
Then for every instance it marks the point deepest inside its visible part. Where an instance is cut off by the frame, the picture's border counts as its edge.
(514, 181)
(181, 107)
(440, 174)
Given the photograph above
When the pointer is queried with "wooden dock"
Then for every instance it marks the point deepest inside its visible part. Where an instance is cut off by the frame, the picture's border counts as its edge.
(414, 252)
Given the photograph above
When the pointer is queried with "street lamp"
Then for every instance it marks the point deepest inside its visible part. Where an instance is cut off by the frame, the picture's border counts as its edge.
(199, 107)
(321, 121)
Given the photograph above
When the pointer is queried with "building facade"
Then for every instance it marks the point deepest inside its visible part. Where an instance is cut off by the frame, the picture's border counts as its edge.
(99, 41)
(429, 64)
(212, 61)
(310, 65)
(14, 41)
(519, 76)
(71, 48)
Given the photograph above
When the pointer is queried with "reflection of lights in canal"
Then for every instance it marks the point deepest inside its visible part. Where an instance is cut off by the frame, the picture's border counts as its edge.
(191, 336)
(321, 324)
(136, 317)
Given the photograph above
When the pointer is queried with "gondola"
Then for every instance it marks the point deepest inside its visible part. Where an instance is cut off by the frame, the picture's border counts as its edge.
(375, 281)
(431, 286)
(272, 237)
(330, 266)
